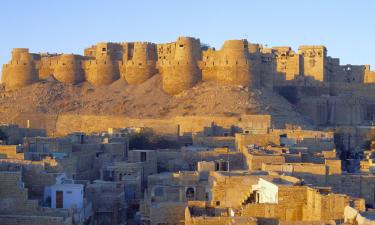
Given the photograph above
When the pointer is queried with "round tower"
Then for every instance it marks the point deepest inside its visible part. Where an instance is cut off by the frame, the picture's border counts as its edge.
(17, 52)
(234, 65)
(143, 64)
(235, 49)
(104, 70)
(20, 71)
(68, 69)
(183, 72)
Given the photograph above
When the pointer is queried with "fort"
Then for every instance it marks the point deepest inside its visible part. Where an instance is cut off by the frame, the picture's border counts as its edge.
(182, 133)
(185, 62)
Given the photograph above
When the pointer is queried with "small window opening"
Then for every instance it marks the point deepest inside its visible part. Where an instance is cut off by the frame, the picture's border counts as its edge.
(143, 156)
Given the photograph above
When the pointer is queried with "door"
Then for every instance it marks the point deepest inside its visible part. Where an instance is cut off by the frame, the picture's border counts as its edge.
(59, 199)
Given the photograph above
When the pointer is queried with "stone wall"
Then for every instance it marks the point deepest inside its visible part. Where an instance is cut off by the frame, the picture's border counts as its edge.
(178, 126)
(301, 203)
(256, 161)
(168, 212)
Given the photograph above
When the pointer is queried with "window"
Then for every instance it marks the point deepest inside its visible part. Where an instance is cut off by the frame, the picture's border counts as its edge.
(217, 203)
(104, 49)
(190, 193)
(143, 156)
(217, 166)
(181, 46)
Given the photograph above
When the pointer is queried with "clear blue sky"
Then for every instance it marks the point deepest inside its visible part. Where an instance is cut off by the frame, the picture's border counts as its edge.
(346, 27)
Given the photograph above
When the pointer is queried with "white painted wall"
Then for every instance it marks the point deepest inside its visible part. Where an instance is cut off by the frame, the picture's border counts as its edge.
(268, 192)
(72, 195)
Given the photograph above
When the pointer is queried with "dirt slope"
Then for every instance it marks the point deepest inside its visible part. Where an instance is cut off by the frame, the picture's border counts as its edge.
(146, 101)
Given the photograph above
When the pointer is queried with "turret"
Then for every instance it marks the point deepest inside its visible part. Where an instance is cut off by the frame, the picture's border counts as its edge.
(68, 69)
(104, 70)
(230, 65)
(182, 72)
(20, 71)
(234, 67)
(143, 64)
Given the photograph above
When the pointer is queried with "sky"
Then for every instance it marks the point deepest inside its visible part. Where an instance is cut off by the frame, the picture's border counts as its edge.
(345, 27)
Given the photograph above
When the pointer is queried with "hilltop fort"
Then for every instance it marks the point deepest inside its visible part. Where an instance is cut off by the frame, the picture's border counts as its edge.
(322, 90)
(184, 63)
(182, 133)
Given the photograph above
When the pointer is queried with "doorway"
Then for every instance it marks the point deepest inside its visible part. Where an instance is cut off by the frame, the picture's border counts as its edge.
(59, 199)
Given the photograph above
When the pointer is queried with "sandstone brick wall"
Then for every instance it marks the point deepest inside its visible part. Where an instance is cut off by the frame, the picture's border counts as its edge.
(231, 191)
(13, 197)
(66, 123)
(300, 203)
(255, 162)
(168, 212)
(242, 140)
(334, 166)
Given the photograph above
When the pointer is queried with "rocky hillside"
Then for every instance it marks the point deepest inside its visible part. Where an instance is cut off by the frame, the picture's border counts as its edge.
(146, 101)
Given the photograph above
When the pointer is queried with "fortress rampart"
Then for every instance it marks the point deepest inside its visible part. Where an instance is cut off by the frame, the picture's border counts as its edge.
(20, 71)
(68, 69)
(143, 63)
(186, 62)
(229, 65)
(181, 71)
